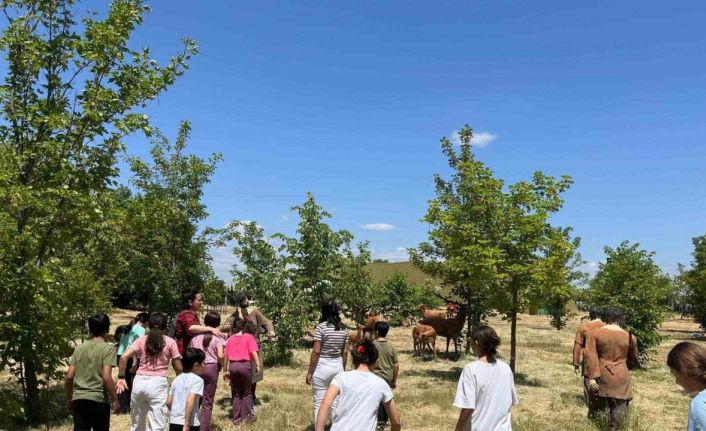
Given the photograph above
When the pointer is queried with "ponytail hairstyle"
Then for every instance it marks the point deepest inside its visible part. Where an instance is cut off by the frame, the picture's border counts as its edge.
(155, 338)
(364, 352)
(690, 359)
(188, 295)
(330, 314)
(487, 340)
(212, 320)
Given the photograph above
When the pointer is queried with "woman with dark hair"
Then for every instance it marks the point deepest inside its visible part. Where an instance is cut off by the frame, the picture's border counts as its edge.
(610, 352)
(187, 322)
(329, 355)
(687, 362)
(486, 389)
(149, 390)
(132, 332)
(358, 393)
(241, 301)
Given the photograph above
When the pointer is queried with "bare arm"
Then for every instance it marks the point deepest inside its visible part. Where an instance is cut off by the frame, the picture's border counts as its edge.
(463, 418)
(325, 408)
(107, 375)
(256, 361)
(190, 403)
(344, 355)
(313, 361)
(220, 353)
(170, 398)
(200, 329)
(122, 366)
(176, 364)
(394, 415)
(395, 372)
(69, 386)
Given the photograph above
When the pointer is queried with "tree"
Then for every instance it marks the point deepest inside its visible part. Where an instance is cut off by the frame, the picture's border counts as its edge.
(631, 281)
(71, 93)
(167, 253)
(353, 286)
(398, 298)
(462, 249)
(695, 279)
(558, 275)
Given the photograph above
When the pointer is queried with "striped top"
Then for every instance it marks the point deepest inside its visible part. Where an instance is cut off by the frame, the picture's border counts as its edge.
(332, 341)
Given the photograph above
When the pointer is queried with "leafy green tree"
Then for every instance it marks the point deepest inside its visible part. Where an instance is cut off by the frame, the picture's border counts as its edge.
(695, 280)
(167, 253)
(631, 281)
(354, 288)
(71, 93)
(398, 298)
(463, 218)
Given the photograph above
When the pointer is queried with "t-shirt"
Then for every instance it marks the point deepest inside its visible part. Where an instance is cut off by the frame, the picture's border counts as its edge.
(361, 395)
(185, 319)
(697, 413)
(212, 350)
(332, 341)
(89, 359)
(158, 365)
(182, 386)
(126, 340)
(387, 357)
(488, 389)
(239, 347)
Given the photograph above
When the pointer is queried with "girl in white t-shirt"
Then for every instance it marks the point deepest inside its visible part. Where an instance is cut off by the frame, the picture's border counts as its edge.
(359, 393)
(486, 389)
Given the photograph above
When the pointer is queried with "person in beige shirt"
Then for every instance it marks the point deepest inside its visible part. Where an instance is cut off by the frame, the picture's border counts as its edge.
(595, 322)
(610, 352)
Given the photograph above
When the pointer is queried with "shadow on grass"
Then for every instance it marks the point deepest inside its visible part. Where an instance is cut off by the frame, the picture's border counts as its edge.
(451, 375)
(522, 379)
(53, 414)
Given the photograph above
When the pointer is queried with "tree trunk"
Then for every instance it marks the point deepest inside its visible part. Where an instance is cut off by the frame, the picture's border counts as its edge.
(34, 406)
(513, 330)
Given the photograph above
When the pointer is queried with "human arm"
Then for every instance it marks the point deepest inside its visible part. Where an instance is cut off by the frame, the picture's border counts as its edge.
(394, 415)
(344, 354)
(200, 329)
(189, 411)
(591, 361)
(109, 385)
(325, 408)
(463, 419)
(395, 373)
(170, 399)
(69, 387)
(219, 353)
(256, 361)
(313, 361)
(122, 366)
(176, 364)
(264, 321)
(578, 347)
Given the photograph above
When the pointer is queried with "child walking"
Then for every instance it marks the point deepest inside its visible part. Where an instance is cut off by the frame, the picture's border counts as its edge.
(149, 391)
(387, 366)
(486, 389)
(240, 352)
(212, 347)
(89, 383)
(359, 393)
(687, 362)
(186, 390)
(133, 331)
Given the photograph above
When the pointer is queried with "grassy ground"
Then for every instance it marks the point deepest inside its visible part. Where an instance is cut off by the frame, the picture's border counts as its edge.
(550, 394)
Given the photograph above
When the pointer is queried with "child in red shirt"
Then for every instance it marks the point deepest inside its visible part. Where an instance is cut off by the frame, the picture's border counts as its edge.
(240, 353)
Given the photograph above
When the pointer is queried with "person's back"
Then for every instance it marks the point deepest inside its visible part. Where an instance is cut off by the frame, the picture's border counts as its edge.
(488, 389)
(89, 359)
(185, 393)
(360, 396)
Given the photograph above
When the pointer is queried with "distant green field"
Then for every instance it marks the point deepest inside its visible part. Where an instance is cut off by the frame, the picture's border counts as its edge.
(382, 271)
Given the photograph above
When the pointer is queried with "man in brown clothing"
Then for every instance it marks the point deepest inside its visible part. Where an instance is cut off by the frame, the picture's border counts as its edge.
(592, 400)
(609, 352)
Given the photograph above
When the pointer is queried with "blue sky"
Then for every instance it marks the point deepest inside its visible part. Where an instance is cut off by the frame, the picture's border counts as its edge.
(348, 100)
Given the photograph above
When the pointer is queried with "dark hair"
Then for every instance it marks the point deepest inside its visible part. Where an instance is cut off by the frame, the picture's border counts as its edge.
(188, 295)
(239, 297)
(98, 324)
(330, 314)
(120, 331)
(364, 352)
(487, 340)
(142, 317)
(249, 327)
(690, 359)
(594, 313)
(155, 338)
(238, 325)
(382, 328)
(212, 320)
(612, 315)
(192, 357)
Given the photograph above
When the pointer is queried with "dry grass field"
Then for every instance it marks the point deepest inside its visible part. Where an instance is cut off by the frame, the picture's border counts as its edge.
(550, 393)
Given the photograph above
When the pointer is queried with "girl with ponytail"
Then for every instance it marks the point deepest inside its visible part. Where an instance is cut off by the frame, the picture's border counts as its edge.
(149, 389)
(687, 362)
(486, 389)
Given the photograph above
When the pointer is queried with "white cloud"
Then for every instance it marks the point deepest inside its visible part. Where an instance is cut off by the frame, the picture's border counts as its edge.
(399, 254)
(378, 227)
(479, 140)
(284, 218)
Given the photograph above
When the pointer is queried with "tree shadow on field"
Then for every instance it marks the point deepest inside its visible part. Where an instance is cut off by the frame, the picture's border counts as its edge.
(523, 380)
(54, 411)
(451, 375)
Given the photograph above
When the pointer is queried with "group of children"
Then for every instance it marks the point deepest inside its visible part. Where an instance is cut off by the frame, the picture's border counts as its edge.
(359, 399)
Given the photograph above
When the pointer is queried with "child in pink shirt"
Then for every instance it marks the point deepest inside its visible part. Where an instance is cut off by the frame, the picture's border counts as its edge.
(240, 352)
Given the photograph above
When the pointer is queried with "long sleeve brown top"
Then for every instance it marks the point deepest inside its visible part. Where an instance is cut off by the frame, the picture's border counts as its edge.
(580, 342)
(255, 316)
(607, 353)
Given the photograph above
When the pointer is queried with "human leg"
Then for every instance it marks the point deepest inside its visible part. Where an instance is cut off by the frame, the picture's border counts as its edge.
(325, 371)
(156, 395)
(619, 412)
(210, 379)
(139, 405)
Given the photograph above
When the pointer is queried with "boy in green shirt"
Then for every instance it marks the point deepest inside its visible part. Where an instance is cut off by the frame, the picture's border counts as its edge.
(387, 366)
(89, 381)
